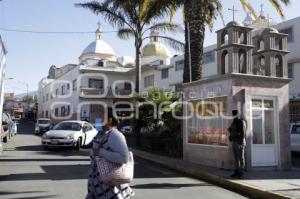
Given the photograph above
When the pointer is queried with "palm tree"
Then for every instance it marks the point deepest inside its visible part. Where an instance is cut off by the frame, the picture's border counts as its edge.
(198, 14)
(135, 19)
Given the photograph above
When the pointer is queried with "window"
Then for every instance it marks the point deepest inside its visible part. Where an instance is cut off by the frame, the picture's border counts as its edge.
(208, 57)
(179, 65)
(47, 97)
(210, 131)
(74, 84)
(164, 73)
(57, 92)
(127, 86)
(290, 33)
(63, 111)
(96, 83)
(63, 88)
(47, 114)
(291, 70)
(149, 81)
(294, 112)
(56, 112)
(178, 88)
(100, 63)
(67, 112)
(43, 98)
(68, 86)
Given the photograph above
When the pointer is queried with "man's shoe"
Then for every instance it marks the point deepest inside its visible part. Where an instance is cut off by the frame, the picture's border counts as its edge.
(234, 175)
(240, 176)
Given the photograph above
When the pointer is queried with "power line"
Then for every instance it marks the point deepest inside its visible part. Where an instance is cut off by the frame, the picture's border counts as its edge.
(53, 32)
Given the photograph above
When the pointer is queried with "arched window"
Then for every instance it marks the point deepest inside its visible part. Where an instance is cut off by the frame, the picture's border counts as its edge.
(242, 61)
(242, 38)
(224, 62)
(278, 44)
(260, 44)
(224, 38)
(261, 66)
(279, 66)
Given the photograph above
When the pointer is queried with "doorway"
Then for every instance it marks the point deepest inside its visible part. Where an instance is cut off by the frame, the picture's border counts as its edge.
(264, 130)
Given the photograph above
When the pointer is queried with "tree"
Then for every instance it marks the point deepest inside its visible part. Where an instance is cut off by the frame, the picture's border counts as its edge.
(135, 19)
(198, 14)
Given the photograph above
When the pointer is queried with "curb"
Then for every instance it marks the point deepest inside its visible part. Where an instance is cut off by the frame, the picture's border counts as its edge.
(247, 190)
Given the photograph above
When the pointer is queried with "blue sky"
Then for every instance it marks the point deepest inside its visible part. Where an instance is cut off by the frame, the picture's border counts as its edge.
(30, 55)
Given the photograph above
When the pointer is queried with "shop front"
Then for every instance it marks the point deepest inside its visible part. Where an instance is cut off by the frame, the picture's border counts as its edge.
(264, 105)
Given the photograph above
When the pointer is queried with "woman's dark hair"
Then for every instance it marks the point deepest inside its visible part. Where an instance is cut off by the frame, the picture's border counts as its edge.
(110, 115)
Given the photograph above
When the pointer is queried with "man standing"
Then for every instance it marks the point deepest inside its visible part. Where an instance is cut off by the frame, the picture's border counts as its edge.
(237, 137)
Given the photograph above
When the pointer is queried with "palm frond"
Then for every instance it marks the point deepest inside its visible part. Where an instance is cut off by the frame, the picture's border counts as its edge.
(166, 27)
(173, 43)
(143, 8)
(247, 7)
(125, 33)
(154, 11)
(110, 14)
(278, 7)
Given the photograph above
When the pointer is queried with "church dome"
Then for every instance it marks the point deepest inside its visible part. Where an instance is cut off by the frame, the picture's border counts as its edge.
(269, 30)
(98, 49)
(234, 23)
(155, 49)
(249, 19)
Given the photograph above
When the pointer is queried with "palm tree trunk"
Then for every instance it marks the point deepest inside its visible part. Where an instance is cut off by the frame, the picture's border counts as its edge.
(195, 16)
(137, 70)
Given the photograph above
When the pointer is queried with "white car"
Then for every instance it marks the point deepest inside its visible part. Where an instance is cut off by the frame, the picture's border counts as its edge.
(295, 136)
(43, 125)
(69, 134)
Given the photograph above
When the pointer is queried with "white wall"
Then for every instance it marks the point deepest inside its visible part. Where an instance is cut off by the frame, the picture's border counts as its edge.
(73, 99)
(294, 55)
(2, 77)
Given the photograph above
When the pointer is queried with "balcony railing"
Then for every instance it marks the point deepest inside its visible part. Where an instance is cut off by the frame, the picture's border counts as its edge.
(102, 93)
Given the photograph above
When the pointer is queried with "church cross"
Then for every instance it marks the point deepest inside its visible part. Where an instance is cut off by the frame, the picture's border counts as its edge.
(99, 25)
(269, 21)
(233, 12)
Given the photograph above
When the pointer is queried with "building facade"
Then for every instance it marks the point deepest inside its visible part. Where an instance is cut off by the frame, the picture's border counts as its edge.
(2, 75)
(3, 53)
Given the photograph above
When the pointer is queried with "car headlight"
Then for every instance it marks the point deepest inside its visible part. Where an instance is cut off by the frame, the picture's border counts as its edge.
(45, 136)
(70, 137)
(37, 128)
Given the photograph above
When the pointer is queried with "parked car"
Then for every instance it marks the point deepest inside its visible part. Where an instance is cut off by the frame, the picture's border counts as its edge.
(69, 134)
(126, 129)
(5, 131)
(295, 136)
(43, 125)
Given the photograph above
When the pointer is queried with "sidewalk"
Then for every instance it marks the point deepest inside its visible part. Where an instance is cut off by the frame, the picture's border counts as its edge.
(257, 184)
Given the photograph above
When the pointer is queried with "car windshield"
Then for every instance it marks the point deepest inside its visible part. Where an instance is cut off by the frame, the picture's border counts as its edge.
(44, 121)
(296, 129)
(68, 126)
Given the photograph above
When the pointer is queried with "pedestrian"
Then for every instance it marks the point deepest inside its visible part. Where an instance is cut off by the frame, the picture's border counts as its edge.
(109, 144)
(237, 132)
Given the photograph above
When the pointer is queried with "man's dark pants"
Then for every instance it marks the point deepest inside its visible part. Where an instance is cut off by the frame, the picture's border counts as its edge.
(239, 157)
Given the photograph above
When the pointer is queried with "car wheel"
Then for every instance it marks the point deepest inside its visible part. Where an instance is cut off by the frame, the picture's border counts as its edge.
(78, 144)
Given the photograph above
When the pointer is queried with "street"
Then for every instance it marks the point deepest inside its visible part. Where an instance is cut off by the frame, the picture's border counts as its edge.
(27, 171)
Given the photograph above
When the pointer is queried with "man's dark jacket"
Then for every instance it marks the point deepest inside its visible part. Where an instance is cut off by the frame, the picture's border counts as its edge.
(236, 131)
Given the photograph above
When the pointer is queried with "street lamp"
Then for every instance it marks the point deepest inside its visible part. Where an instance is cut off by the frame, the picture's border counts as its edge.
(27, 85)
